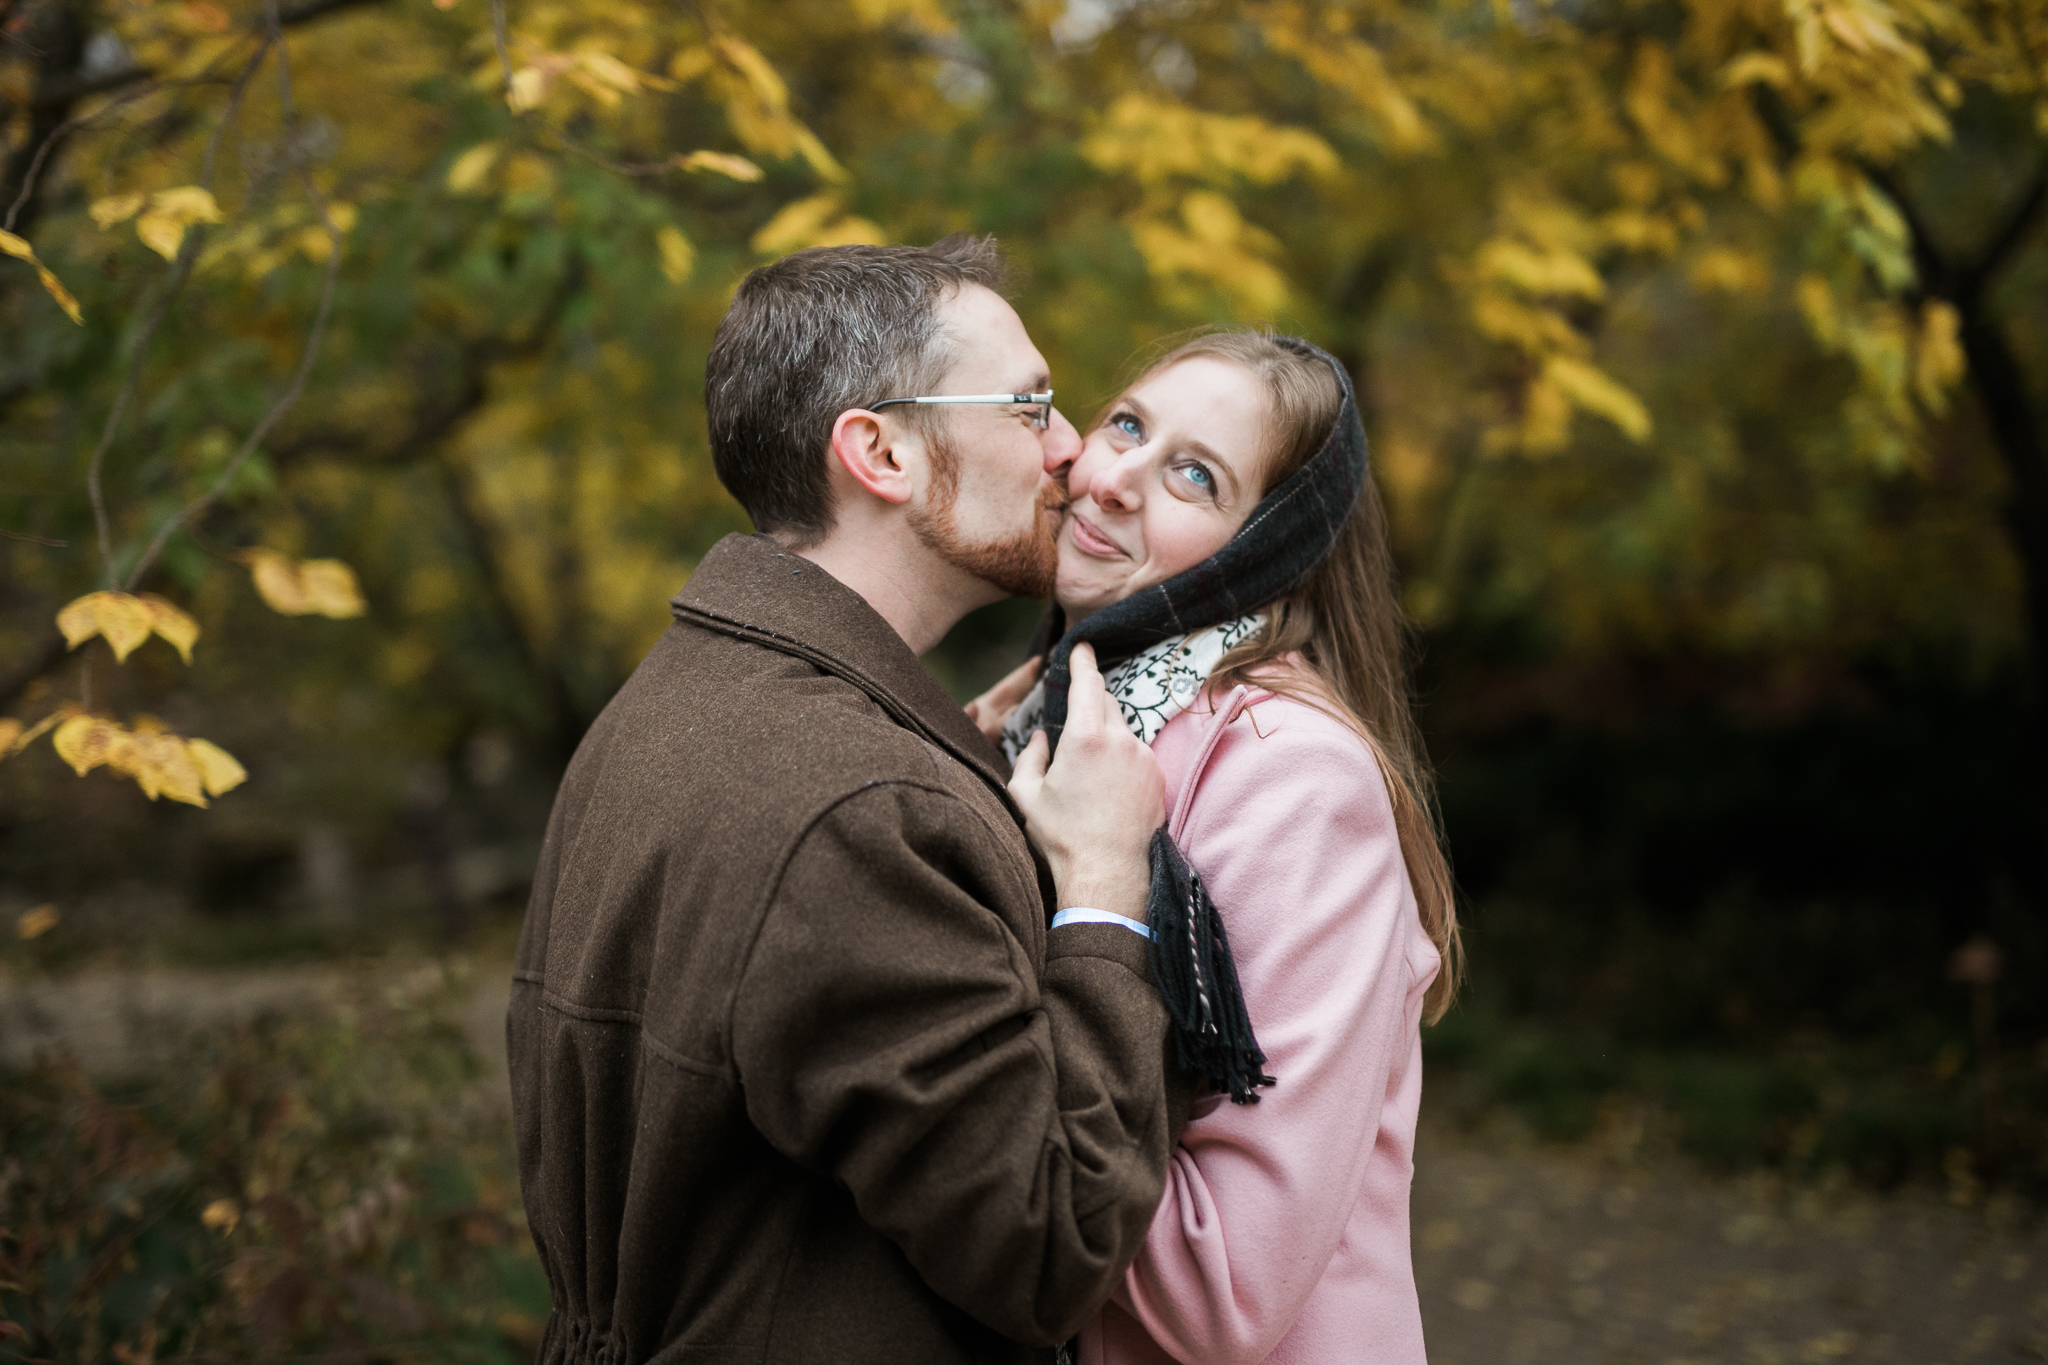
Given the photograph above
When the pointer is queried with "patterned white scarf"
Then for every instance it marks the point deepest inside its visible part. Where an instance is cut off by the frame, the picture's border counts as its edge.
(1150, 688)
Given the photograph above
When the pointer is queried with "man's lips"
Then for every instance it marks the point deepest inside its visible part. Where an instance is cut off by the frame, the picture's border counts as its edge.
(1090, 541)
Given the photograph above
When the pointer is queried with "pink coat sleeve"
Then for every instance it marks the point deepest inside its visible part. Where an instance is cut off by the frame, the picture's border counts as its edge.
(1289, 824)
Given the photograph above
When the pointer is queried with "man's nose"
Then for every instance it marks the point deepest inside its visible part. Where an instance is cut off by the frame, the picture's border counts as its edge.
(1062, 446)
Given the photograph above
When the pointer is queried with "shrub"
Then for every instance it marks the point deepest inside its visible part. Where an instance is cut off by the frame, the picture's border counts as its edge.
(339, 1186)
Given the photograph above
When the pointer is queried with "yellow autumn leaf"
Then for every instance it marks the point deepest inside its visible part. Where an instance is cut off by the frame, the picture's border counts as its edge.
(172, 624)
(1535, 271)
(218, 770)
(691, 63)
(35, 923)
(721, 163)
(1736, 272)
(162, 235)
(609, 70)
(162, 765)
(77, 621)
(1211, 218)
(277, 582)
(794, 225)
(1171, 254)
(1938, 360)
(925, 14)
(331, 588)
(1154, 140)
(529, 87)
(19, 248)
(222, 1214)
(678, 257)
(1817, 301)
(1756, 68)
(469, 170)
(116, 208)
(85, 742)
(821, 160)
(1593, 389)
(171, 212)
(190, 202)
(122, 618)
(317, 587)
(755, 69)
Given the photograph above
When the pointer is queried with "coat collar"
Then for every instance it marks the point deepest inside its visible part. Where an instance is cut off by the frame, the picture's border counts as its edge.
(752, 588)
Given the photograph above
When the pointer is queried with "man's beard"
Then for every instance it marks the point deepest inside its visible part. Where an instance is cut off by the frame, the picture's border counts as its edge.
(1024, 565)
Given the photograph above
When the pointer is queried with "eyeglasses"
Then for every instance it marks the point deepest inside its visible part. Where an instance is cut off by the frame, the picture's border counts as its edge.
(1040, 403)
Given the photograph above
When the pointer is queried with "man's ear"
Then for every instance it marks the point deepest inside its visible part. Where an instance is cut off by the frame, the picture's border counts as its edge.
(866, 450)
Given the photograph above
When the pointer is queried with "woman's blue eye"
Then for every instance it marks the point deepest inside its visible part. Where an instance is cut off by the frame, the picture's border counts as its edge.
(1200, 477)
(1128, 425)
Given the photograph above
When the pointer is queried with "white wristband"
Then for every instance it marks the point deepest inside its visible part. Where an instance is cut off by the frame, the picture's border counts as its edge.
(1081, 914)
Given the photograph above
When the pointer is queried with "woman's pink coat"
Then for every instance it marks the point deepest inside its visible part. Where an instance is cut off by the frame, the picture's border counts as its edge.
(1283, 1233)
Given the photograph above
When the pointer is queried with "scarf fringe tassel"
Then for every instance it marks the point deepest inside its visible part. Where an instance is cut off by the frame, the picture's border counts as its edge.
(1197, 979)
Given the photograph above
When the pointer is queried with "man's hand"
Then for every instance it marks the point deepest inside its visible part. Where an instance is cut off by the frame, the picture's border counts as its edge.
(1093, 813)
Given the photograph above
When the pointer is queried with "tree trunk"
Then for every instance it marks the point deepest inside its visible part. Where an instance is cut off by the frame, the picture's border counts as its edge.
(57, 35)
(2000, 386)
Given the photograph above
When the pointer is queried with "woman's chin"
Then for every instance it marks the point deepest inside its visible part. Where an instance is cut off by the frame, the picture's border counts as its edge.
(1075, 606)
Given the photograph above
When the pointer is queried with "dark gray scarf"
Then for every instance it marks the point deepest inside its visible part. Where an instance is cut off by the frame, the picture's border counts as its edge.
(1287, 536)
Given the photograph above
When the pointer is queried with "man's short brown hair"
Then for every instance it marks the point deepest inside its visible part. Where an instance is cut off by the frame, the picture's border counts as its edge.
(817, 333)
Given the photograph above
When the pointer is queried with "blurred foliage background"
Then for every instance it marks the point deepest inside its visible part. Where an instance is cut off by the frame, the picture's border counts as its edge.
(1701, 343)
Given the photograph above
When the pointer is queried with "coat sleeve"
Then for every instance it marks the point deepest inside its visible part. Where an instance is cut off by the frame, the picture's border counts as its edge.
(1293, 833)
(1008, 1131)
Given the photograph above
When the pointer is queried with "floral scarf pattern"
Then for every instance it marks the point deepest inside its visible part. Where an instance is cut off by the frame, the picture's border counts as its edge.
(1151, 687)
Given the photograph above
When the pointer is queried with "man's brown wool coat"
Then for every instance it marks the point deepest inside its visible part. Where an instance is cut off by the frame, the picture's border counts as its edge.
(796, 1074)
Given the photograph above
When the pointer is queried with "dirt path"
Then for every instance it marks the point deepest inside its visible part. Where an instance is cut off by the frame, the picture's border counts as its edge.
(1525, 1254)
(1528, 1255)
(128, 1019)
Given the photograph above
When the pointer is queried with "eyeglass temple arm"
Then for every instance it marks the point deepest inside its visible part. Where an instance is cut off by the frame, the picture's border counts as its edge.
(1045, 397)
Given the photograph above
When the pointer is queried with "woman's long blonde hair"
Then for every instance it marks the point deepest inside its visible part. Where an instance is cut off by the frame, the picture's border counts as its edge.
(1346, 623)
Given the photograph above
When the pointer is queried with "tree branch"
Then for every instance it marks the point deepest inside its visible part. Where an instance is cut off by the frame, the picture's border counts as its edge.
(1938, 276)
(198, 506)
(2007, 239)
(42, 153)
(432, 422)
(181, 270)
(60, 34)
(62, 94)
(2000, 383)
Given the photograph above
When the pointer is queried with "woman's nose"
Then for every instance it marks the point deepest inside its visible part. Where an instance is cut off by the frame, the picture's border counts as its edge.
(1113, 483)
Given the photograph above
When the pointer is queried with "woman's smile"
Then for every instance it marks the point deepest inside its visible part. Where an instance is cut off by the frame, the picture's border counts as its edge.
(1090, 541)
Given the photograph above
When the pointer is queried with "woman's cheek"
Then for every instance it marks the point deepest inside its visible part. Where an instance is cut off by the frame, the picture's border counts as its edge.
(1176, 545)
